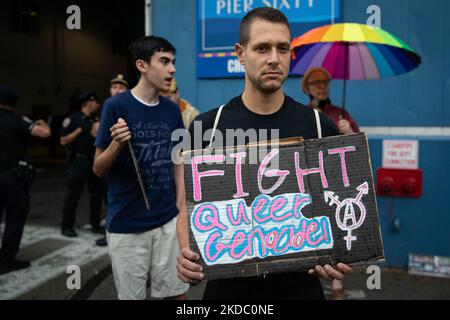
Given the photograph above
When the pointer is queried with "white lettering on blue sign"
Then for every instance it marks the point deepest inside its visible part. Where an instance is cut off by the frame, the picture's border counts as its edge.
(244, 6)
(235, 66)
(219, 24)
(233, 6)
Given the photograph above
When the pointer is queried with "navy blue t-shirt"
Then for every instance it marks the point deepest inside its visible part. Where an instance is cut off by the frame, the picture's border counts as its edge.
(151, 129)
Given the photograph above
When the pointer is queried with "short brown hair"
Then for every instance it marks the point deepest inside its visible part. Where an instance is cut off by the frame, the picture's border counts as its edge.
(264, 13)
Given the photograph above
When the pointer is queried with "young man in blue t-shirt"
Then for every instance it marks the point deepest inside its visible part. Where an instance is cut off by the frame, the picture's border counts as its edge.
(142, 239)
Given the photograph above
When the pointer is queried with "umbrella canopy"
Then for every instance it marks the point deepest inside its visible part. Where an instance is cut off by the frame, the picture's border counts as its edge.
(352, 51)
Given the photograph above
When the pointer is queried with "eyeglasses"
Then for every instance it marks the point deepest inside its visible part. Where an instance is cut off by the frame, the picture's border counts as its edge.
(319, 82)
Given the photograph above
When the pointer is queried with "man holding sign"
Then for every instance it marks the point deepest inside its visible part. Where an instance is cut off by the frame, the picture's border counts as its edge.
(264, 50)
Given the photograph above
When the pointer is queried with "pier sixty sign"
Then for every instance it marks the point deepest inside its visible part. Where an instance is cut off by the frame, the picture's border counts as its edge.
(295, 205)
(218, 25)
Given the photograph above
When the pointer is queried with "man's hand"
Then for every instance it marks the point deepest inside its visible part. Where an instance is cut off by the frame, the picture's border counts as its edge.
(330, 273)
(41, 129)
(40, 122)
(345, 127)
(120, 132)
(188, 270)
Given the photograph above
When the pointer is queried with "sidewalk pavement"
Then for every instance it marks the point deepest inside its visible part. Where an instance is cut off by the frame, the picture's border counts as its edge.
(395, 285)
(51, 254)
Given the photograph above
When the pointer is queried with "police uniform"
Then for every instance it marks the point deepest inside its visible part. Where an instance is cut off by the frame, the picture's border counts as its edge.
(15, 179)
(80, 160)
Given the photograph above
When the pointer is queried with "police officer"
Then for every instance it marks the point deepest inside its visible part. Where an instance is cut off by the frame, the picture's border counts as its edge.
(15, 176)
(118, 85)
(77, 135)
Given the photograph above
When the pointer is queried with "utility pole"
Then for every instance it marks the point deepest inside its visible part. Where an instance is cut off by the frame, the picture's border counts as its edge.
(148, 17)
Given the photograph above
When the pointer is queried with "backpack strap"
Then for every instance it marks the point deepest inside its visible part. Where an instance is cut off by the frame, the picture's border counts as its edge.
(216, 122)
(319, 127)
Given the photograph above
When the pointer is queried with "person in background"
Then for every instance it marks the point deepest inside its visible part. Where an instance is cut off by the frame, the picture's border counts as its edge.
(16, 175)
(118, 85)
(188, 112)
(77, 135)
(315, 84)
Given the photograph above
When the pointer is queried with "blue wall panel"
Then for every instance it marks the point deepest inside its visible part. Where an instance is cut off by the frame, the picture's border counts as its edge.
(424, 222)
(444, 76)
(420, 98)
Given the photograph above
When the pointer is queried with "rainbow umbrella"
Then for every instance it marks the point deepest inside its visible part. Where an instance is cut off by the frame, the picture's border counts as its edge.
(352, 51)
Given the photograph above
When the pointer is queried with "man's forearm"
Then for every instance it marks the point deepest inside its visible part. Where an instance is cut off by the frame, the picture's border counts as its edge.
(104, 159)
(70, 137)
(182, 231)
(94, 129)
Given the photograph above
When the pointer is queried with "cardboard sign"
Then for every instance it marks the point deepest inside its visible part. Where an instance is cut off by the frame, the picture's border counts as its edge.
(316, 206)
(401, 154)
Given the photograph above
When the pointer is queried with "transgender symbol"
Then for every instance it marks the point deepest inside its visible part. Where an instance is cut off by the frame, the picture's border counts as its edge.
(349, 212)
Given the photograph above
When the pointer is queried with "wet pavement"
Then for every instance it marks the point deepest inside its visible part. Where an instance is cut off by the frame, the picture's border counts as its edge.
(54, 256)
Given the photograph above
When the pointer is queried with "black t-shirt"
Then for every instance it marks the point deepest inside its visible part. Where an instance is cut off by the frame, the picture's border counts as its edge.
(292, 120)
(14, 132)
(84, 143)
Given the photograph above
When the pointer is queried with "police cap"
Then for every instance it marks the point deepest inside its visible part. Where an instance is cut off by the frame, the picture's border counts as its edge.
(119, 79)
(86, 96)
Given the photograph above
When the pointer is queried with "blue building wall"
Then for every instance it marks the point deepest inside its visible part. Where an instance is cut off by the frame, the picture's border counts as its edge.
(418, 99)
(424, 222)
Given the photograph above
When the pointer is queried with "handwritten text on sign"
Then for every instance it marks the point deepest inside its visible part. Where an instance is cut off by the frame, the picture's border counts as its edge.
(271, 227)
(230, 231)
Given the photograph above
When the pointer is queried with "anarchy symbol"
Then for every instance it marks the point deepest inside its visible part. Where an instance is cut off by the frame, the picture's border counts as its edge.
(348, 205)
